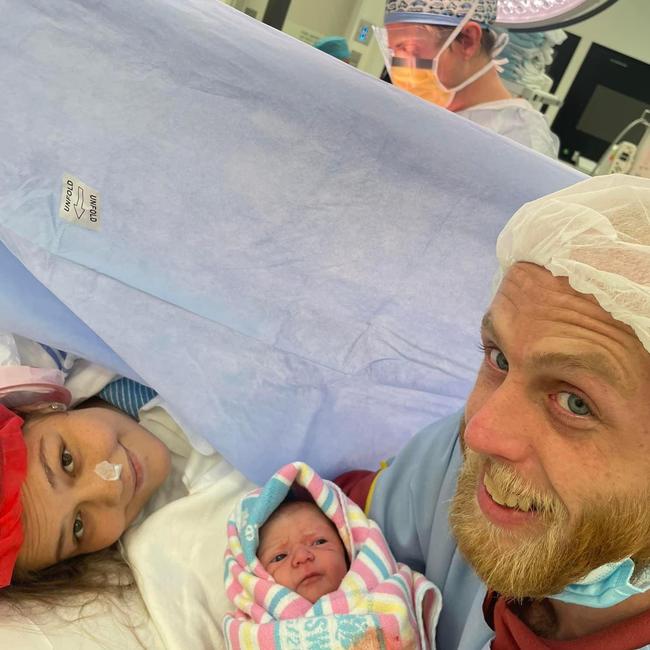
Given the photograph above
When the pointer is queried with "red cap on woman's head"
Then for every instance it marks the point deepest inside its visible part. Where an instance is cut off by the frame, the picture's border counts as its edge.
(13, 469)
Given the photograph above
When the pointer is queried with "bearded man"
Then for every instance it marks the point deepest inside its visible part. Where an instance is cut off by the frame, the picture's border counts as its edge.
(538, 491)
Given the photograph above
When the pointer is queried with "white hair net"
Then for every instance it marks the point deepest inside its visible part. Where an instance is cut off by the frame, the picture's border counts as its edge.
(597, 234)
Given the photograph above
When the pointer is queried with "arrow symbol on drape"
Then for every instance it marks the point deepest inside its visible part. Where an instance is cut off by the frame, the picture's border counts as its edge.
(80, 201)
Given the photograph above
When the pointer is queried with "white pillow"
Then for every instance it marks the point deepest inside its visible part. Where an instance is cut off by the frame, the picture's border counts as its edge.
(177, 557)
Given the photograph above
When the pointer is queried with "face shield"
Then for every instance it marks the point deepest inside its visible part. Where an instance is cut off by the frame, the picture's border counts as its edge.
(412, 53)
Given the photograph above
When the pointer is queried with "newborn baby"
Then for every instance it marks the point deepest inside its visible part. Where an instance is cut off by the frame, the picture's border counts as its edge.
(306, 568)
(301, 549)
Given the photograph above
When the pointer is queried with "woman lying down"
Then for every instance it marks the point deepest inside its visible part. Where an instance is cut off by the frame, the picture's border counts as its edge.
(74, 483)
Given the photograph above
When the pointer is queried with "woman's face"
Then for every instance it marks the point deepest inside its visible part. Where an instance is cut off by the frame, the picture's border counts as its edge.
(68, 509)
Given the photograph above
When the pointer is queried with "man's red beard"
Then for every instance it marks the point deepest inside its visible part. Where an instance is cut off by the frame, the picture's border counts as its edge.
(541, 559)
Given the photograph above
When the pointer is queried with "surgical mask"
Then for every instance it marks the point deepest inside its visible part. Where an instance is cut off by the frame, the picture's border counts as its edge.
(419, 76)
(421, 81)
(606, 586)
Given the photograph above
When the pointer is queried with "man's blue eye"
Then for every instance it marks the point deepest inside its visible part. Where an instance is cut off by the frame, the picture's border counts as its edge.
(573, 403)
(498, 359)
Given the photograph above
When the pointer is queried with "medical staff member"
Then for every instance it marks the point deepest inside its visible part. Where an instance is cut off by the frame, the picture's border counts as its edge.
(335, 46)
(446, 53)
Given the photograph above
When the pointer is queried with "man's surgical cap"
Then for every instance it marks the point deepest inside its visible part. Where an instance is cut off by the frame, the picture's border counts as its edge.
(596, 234)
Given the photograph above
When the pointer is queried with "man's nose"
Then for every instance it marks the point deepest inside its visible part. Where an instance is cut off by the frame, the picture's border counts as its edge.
(301, 554)
(501, 425)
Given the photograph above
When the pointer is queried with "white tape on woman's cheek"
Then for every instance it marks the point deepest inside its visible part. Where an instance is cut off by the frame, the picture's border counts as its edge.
(108, 471)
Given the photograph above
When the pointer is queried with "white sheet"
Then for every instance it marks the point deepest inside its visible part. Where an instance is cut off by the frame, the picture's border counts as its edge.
(177, 552)
(127, 627)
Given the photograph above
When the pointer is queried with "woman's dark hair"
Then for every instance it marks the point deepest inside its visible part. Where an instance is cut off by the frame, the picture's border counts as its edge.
(79, 581)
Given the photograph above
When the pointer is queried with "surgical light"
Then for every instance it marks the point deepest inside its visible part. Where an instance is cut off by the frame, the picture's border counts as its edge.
(540, 15)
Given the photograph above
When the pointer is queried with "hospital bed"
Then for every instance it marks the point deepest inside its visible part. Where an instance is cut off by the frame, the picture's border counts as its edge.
(295, 255)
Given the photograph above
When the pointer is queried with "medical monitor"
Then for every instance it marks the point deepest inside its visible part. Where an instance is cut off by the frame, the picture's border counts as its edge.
(610, 91)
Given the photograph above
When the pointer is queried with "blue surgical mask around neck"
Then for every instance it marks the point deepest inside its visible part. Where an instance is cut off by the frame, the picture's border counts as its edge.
(606, 586)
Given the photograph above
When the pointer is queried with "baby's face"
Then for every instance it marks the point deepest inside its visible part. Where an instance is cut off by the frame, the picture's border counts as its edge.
(302, 550)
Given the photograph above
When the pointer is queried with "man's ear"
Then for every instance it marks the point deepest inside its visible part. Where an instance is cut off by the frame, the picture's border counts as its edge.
(468, 42)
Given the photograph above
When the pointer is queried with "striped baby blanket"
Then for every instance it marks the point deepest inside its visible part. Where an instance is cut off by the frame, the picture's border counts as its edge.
(380, 603)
